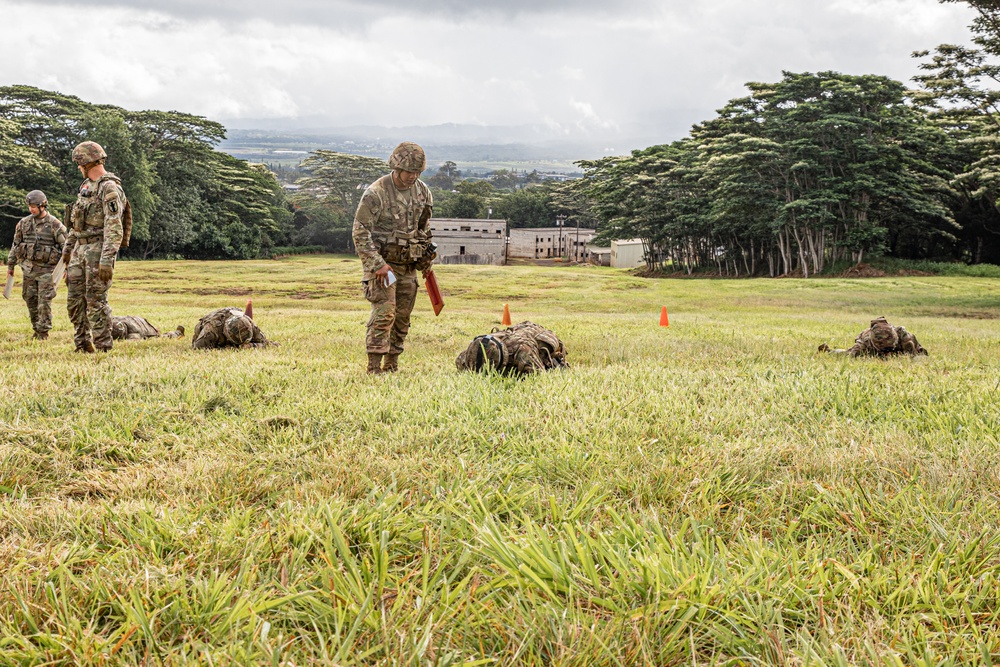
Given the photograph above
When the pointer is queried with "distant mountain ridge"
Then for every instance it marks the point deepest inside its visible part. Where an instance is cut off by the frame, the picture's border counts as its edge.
(537, 140)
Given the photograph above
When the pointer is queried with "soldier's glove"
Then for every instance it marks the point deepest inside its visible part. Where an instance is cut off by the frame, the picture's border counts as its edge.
(824, 347)
(65, 258)
(105, 272)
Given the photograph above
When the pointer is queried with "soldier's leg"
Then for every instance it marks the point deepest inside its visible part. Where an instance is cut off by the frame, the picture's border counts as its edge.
(98, 310)
(406, 296)
(383, 300)
(46, 292)
(29, 292)
(76, 299)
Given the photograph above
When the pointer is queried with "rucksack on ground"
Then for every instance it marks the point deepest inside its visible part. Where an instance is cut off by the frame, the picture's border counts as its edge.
(520, 349)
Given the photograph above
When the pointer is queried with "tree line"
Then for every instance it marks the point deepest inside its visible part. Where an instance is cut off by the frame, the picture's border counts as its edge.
(821, 168)
(188, 199)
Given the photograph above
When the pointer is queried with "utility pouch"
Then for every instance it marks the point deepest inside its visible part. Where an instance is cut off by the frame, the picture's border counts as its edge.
(77, 216)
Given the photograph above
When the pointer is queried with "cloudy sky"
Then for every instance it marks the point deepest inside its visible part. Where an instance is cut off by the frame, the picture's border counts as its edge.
(577, 67)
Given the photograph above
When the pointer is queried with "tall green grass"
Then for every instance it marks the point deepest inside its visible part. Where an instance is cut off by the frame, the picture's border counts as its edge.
(711, 493)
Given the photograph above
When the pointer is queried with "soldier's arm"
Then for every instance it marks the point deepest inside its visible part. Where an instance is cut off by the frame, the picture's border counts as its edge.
(113, 201)
(423, 224)
(202, 340)
(908, 342)
(70, 244)
(364, 223)
(259, 339)
(59, 235)
(12, 257)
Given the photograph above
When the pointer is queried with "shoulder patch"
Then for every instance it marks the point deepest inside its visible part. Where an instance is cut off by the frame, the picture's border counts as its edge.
(111, 191)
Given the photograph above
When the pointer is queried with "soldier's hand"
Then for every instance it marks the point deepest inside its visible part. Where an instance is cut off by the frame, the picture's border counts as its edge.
(105, 272)
(382, 275)
(10, 272)
(823, 348)
(65, 258)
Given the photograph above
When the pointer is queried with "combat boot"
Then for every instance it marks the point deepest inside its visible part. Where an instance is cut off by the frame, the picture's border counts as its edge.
(390, 364)
(86, 348)
(374, 363)
(41, 335)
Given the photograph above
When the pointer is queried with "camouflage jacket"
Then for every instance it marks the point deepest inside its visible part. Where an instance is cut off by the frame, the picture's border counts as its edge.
(97, 214)
(210, 333)
(132, 327)
(521, 349)
(865, 345)
(390, 225)
(38, 243)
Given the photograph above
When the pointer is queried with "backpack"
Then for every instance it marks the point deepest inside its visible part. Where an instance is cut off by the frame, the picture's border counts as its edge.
(126, 212)
(520, 349)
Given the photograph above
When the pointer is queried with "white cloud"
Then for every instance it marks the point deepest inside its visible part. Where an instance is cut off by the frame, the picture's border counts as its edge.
(581, 66)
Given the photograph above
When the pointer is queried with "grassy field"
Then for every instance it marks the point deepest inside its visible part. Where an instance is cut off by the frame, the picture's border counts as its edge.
(711, 493)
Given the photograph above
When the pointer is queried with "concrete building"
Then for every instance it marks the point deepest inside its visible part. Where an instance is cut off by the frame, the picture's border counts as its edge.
(469, 241)
(599, 255)
(569, 243)
(627, 254)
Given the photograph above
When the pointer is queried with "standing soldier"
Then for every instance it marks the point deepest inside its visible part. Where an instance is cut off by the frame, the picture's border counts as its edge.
(101, 225)
(38, 243)
(392, 238)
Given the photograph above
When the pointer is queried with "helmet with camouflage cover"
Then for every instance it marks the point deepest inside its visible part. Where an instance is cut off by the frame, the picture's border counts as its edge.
(118, 329)
(238, 330)
(36, 198)
(88, 152)
(884, 335)
(408, 156)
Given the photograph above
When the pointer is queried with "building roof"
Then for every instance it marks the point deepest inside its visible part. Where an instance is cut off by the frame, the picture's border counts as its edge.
(555, 230)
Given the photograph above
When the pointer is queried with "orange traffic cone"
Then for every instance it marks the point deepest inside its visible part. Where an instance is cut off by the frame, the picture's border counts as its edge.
(664, 320)
(506, 316)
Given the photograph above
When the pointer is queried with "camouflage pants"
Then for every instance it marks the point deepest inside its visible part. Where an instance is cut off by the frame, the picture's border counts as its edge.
(38, 291)
(391, 307)
(87, 297)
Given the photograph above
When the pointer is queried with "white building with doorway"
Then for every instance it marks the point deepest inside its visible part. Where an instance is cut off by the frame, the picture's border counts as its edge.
(627, 254)
(469, 240)
(569, 243)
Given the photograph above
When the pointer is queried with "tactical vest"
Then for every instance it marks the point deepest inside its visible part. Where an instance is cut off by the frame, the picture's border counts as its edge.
(38, 241)
(395, 230)
(87, 214)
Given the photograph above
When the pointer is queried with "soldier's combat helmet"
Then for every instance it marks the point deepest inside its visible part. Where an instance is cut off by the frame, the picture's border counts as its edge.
(884, 335)
(36, 198)
(238, 330)
(118, 329)
(88, 152)
(408, 156)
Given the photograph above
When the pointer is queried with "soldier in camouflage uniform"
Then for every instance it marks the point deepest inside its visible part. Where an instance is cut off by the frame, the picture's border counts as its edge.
(881, 339)
(391, 234)
(38, 243)
(227, 327)
(132, 327)
(92, 247)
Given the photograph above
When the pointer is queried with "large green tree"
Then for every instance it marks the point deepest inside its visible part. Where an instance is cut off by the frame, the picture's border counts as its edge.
(801, 172)
(329, 196)
(187, 199)
(960, 89)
